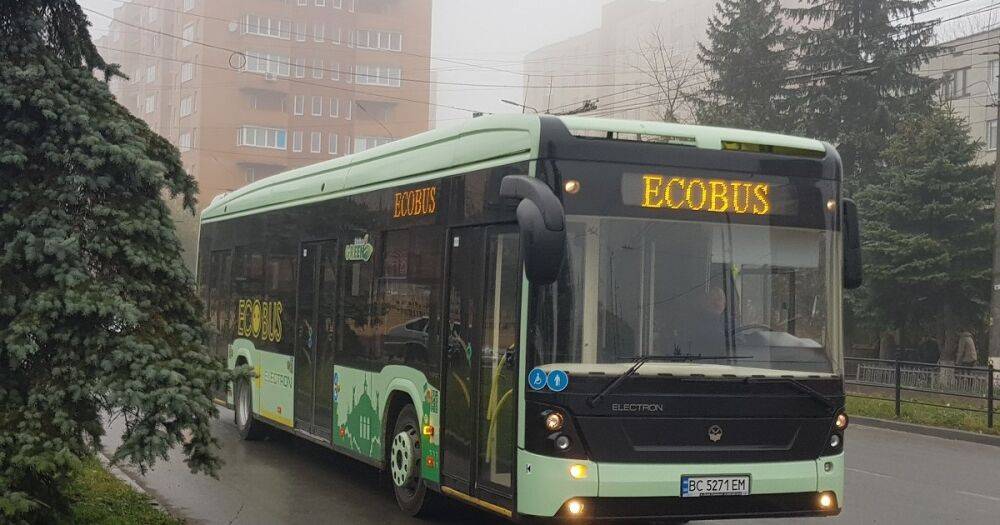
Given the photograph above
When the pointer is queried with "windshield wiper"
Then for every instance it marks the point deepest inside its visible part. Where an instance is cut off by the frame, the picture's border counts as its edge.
(798, 385)
(639, 361)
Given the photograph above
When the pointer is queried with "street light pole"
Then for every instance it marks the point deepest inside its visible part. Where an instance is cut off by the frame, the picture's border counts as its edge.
(522, 106)
(994, 343)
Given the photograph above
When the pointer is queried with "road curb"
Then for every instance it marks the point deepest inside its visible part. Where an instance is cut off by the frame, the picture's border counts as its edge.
(125, 478)
(945, 433)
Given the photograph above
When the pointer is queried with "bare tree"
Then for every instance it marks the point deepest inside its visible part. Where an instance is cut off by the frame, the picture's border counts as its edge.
(672, 75)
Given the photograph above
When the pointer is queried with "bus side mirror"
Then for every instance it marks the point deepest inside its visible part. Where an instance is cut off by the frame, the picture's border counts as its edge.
(542, 222)
(853, 273)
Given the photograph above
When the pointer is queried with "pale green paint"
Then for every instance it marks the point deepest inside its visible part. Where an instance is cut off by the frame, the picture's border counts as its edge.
(544, 483)
(833, 480)
(352, 383)
(703, 136)
(650, 480)
(544, 490)
(474, 144)
(273, 384)
(486, 141)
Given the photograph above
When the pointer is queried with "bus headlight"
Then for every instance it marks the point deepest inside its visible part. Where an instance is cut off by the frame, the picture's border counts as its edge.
(574, 507)
(841, 421)
(554, 421)
(825, 500)
(562, 443)
(835, 441)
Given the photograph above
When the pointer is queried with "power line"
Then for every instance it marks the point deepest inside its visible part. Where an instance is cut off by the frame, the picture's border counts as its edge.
(295, 80)
(314, 68)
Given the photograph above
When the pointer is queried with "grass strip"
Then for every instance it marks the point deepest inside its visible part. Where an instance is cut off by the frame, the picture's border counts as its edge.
(951, 417)
(102, 499)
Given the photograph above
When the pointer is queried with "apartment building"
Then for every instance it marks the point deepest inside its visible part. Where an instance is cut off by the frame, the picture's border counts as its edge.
(609, 64)
(250, 88)
(614, 64)
(969, 75)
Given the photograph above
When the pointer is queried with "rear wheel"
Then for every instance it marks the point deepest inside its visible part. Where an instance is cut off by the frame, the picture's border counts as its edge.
(250, 428)
(404, 457)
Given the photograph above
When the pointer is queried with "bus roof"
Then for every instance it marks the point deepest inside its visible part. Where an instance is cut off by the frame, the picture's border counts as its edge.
(474, 144)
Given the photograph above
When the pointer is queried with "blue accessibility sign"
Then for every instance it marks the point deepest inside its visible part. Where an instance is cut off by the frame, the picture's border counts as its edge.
(558, 381)
(537, 379)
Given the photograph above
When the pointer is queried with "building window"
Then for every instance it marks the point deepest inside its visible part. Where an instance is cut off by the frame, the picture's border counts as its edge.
(150, 105)
(350, 108)
(335, 36)
(184, 142)
(187, 105)
(994, 76)
(267, 63)
(320, 3)
(380, 40)
(333, 143)
(187, 34)
(300, 68)
(318, 30)
(188, 5)
(303, 2)
(365, 143)
(152, 14)
(317, 69)
(369, 75)
(300, 31)
(151, 74)
(267, 26)
(955, 84)
(296, 141)
(300, 105)
(334, 107)
(991, 135)
(334, 71)
(315, 142)
(317, 106)
(259, 137)
(187, 71)
(337, 3)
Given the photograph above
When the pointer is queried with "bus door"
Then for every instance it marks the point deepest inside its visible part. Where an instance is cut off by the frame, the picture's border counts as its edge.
(315, 341)
(481, 362)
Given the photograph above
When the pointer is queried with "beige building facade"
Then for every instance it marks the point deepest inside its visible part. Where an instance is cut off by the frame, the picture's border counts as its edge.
(250, 88)
(968, 76)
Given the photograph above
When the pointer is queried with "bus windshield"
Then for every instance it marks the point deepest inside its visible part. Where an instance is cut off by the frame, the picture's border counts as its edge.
(716, 293)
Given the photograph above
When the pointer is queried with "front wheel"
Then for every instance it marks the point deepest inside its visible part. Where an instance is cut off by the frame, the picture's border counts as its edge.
(250, 428)
(404, 459)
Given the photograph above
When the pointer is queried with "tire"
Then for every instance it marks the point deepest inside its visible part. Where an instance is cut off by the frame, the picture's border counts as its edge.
(403, 459)
(250, 429)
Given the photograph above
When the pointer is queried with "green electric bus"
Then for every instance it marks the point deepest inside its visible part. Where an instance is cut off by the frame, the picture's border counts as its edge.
(551, 317)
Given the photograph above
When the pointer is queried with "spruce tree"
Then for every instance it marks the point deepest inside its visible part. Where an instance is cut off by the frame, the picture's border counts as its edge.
(97, 311)
(927, 230)
(748, 57)
(859, 61)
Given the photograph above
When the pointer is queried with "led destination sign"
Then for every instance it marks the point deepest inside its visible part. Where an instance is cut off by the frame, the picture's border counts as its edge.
(414, 203)
(701, 194)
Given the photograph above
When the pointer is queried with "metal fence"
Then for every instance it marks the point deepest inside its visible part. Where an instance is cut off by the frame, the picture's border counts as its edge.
(977, 383)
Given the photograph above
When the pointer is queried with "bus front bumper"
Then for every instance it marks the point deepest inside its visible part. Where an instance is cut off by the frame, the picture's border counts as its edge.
(620, 490)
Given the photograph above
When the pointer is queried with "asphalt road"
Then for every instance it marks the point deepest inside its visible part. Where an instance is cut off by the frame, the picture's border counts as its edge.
(892, 477)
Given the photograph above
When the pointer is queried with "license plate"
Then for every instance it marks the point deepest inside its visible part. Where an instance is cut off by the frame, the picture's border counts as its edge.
(698, 486)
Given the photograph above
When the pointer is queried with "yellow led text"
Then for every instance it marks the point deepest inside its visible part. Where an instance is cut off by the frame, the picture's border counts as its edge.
(718, 196)
(415, 202)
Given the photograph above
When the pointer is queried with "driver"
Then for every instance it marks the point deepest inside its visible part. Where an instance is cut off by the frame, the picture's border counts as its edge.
(708, 325)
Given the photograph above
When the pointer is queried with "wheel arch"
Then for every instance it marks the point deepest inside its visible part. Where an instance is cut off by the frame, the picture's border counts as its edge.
(400, 392)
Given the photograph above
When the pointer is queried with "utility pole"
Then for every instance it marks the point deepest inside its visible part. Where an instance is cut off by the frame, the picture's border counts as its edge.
(994, 343)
